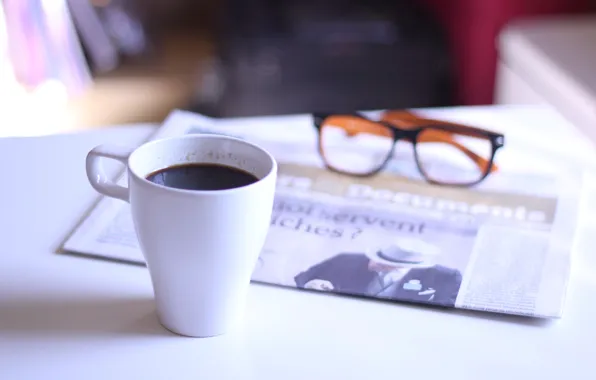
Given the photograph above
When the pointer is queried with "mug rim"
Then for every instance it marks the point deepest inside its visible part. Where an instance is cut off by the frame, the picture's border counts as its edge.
(214, 136)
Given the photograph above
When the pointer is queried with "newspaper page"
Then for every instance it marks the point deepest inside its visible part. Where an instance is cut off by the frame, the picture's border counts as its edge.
(503, 247)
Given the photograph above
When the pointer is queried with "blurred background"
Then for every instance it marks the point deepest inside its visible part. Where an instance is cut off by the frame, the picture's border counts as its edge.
(81, 64)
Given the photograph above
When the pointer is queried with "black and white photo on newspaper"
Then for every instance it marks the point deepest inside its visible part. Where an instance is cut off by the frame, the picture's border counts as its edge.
(503, 246)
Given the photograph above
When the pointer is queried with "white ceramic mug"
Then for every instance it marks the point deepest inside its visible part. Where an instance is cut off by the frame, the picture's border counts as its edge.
(200, 247)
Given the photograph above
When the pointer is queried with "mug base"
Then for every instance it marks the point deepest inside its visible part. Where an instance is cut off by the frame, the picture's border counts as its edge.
(189, 332)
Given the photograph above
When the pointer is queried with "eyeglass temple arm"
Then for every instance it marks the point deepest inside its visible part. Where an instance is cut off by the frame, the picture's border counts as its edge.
(406, 119)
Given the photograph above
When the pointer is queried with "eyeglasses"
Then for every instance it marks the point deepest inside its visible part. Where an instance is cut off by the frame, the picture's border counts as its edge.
(445, 153)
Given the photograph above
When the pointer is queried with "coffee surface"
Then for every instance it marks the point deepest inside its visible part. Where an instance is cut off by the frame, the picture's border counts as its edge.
(203, 176)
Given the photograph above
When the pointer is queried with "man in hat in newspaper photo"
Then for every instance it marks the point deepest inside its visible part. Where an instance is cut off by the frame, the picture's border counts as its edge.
(404, 270)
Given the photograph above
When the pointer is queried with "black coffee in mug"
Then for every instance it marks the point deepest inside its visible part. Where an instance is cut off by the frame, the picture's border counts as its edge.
(202, 176)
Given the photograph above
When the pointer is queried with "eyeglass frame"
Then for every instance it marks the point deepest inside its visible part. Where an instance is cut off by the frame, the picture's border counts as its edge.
(497, 140)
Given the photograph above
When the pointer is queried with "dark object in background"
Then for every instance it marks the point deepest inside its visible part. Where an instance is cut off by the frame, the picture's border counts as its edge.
(297, 56)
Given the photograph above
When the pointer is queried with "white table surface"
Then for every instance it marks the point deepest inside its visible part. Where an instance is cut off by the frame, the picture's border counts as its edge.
(66, 317)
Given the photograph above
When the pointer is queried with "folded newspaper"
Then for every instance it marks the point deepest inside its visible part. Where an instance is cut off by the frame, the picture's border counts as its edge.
(502, 247)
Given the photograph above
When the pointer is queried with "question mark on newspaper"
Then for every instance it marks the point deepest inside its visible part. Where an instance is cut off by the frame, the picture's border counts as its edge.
(356, 233)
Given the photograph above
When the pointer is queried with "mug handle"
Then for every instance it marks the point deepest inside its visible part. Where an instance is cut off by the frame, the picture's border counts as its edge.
(96, 174)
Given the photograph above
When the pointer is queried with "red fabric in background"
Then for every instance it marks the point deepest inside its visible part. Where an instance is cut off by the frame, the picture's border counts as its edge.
(473, 27)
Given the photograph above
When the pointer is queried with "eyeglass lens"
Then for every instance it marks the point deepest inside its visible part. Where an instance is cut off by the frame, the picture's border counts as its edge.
(452, 158)
(354, 145)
